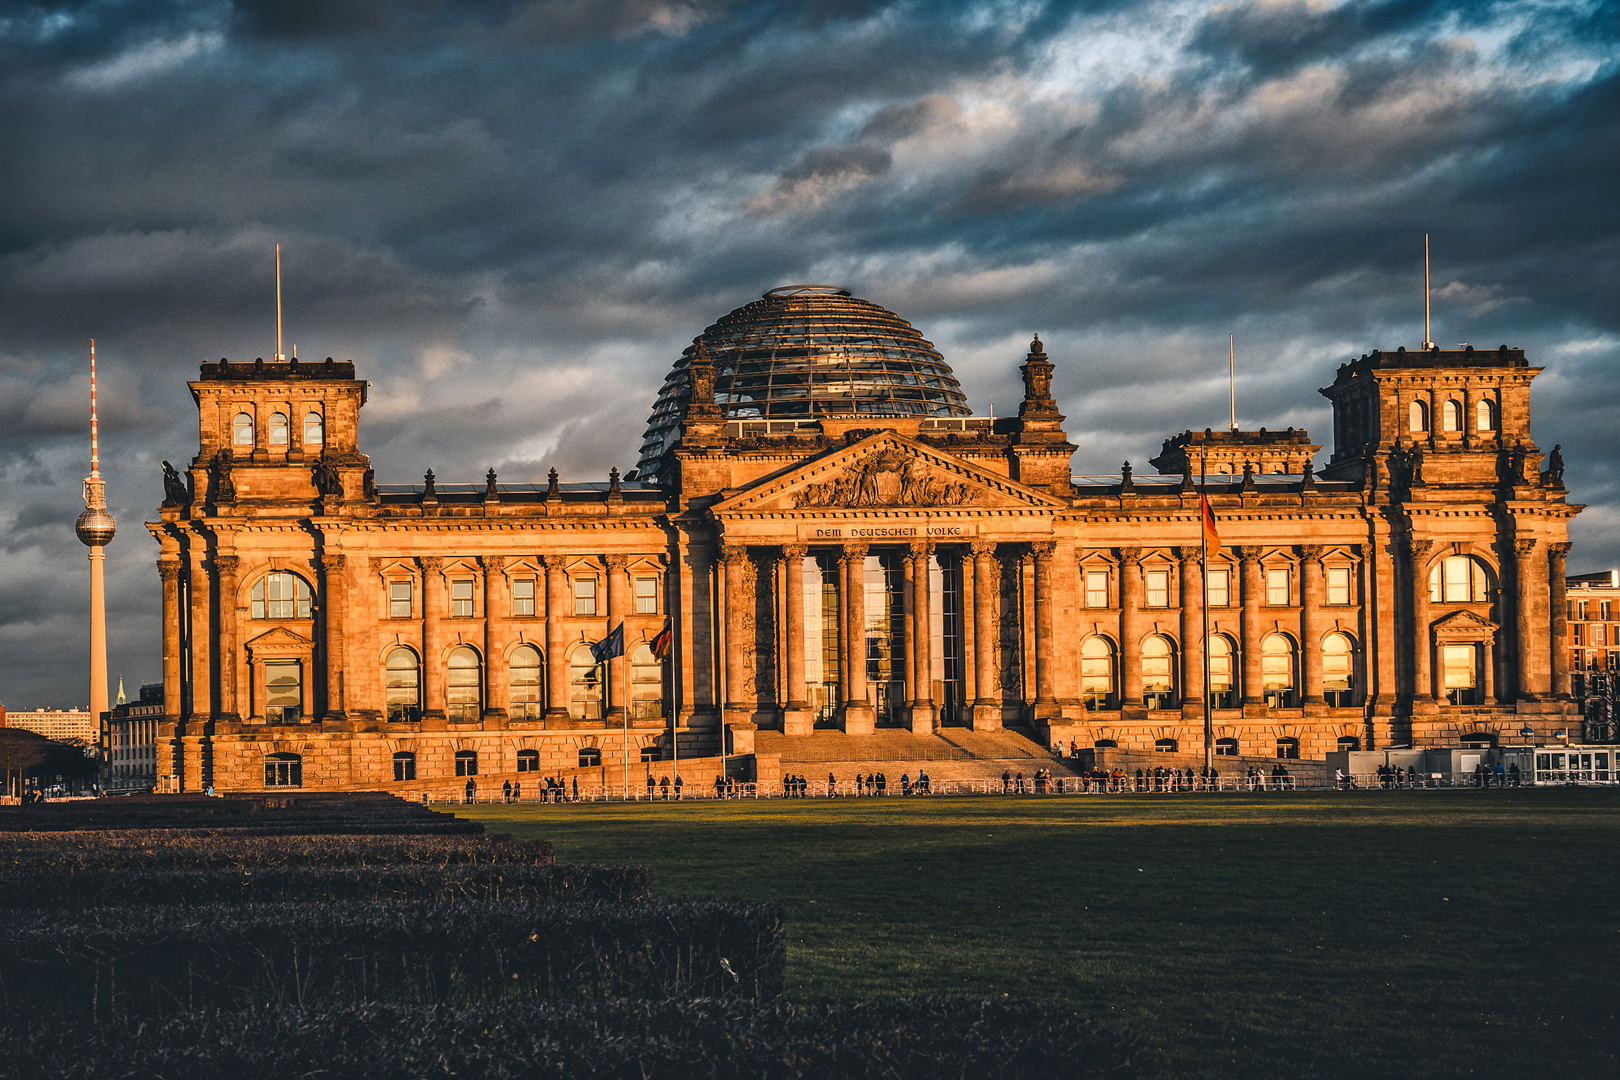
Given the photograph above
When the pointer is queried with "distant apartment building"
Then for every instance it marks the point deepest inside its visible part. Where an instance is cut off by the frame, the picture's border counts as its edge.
(129, 742)
(61, 725)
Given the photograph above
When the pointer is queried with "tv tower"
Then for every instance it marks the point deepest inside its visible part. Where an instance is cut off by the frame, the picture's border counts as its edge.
(96, 529)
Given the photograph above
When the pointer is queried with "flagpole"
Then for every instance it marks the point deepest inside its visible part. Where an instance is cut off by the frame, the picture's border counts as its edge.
(674, 716)
(624, 703)
(1203, 542)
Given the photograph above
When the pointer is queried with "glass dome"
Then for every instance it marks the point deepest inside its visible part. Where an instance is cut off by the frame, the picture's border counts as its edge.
(807, 351)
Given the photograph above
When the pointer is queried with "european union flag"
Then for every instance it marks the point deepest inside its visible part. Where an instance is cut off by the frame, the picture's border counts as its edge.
(610, 646)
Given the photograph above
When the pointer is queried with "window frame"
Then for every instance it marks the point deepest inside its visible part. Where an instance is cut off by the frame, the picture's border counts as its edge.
(1348, 586)
(1224, 573)
(646, 602)
(301, 601)
(404, 766)
(402, 712)
(394, 610)
(585, 602)
(528, 760)
(1272, 574)
(283, 770)
(1156, 588)
(238, 427)
(319, 428)
(462, 593)
(455, 708)
(278, 424)
(1095, 589)
(527, 708)
(466, 762)
(520, 600)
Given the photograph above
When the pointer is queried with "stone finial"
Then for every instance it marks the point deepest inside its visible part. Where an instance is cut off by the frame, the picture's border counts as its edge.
(428, 491)
(489, 485)
(553, 490)
(700, 374)
(613, 480)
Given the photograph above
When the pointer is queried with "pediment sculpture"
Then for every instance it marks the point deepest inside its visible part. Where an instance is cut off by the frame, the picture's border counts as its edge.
(885, 478)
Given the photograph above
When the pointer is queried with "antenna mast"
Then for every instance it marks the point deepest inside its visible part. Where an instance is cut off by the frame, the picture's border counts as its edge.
(278, 304)
(1231, 374)
(95, 446)
(1427, 344)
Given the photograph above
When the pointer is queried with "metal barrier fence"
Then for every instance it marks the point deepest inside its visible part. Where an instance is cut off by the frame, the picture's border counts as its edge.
(1065, 785)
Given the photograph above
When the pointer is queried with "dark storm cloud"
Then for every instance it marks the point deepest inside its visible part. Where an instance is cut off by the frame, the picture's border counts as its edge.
(513, 214)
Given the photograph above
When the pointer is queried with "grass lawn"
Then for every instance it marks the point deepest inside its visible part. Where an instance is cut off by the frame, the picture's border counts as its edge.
(1311, 934)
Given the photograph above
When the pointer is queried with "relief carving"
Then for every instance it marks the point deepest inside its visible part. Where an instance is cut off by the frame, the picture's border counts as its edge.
(885, 478)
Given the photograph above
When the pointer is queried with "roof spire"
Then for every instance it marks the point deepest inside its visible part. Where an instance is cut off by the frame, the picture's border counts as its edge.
(1427, 343)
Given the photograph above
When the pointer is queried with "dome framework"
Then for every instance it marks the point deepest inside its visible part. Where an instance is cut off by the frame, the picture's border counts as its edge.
(807, 351)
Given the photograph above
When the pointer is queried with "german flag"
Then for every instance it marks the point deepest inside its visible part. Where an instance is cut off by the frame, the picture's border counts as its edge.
(1212, 538)
(660, 644)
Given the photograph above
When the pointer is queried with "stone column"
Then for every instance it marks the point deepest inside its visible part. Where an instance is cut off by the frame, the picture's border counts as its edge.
(797, 718)
(1130, 628)
(497, 692)
(169, 573)
(432, 597)
(225, 567)
(1046, 706)
(1312, 595)
(1557, 573)
(1249, 556)
(908, 659)
(860, 716)
(985, 713)
(334, 605)
(618, 593)
(557, 609)
(734, 563)
(200, 639)
(1422, 645)
(1524, 611)
(921, 632)
(1192, 631)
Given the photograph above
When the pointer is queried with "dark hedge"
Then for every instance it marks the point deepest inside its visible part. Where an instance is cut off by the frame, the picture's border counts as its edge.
(153, 849)
(897, 1039)
(76, 890)
(258, 813)
(156, 960)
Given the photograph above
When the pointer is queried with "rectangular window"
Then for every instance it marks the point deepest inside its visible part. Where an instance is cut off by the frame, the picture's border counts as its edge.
(1600, 635)
(1582, 611)
(1277, 588)
(1604, 611)
(1577, 634)
(461, 599)
(399, 599)
(1096, 588)
(1158, 588)
(584, 596)
(283, 691)
(1219, 584)
(646, 596)
(523, 596)
(1338, 585)
(1457, 667)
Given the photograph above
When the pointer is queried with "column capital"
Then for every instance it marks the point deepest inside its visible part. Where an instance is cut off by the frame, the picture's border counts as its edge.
(1559, 551)
(226, 564)
(982, 549)
(169, 569)
(795, 551)
(616, 563)
(1189, 554)
(1247, 552)
(430, 564)
(920, 549)
(732, 551)
(1418, 549)
(1312, 552)
(1524, 545)
(853, 552)
(1130, 556)
(493, 563)
(330, 561)
(554, 562)
(1043, 549)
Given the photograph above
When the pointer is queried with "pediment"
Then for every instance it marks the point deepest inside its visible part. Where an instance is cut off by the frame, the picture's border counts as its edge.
(885, 471)
(280, 638)
(1463, 624)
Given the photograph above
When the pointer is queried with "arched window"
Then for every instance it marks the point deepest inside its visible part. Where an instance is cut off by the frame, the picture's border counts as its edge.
(1226, 748)
(404, 687)
(528, 761)
(1485, 415)
(242, 429)
(281, 595)
(1349, 742)
(589, 757)
(283, 770)
(1166, 746)
(463, 689)
(1158, 673)
(1288, 747)
(404, 765)
(1222, 685)
(646, 684)
(314, 429)
(1106, 744)
(1097, 673)
(1418, 416)
(1277, 671)
(1451, 416)
(466, 763)
(1458, 579)
(584, 685)
(1339, 670)
(278, 429)
(526, 676)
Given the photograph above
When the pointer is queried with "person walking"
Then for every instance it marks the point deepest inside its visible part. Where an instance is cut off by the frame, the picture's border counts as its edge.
(677, 787)
(506, 792)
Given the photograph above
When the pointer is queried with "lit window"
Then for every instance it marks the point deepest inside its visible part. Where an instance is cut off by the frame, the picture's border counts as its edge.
(1277, 671)
(528, 761)
(1338, 670)
(466, 763)
(1451, 416)
(523, 597)
(404, 681)
(278, 429)
(646, 684)
(1220, 588)
(1457, 579)
(463, 689)
(584, 596)
(242, 429)
(1096, 588)
(283, 770)
(646, 596)
(1485, 416)
(281, 596)
(1158, 588)
(1222, 688)
(461, 599)
(1460, 673)
(1277, 587)
(1419, 416)
(524, 676)
(1097, 673)
(1158, 673)
(399, 599)
(314, 429)
(404, 765)
(584, 685)
(1338, 585)
(283, 691)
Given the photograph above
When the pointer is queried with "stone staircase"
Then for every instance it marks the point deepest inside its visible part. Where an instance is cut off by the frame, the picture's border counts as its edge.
(954, 754)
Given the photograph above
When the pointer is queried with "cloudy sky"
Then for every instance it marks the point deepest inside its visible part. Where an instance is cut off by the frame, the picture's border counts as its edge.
(512, 214)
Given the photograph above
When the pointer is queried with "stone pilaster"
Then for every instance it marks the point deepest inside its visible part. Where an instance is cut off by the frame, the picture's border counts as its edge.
(1524, 579)
(859, 715)
(201, 643)
(1045, 705)
(432, 601)
(1130, 628)
(618, 606)
(1557, 572)
(497, 691)
(1417, 552)
(1312, 595)
(1249, 572)
(985, 713)
(169, 573)
(920, 630)
(1192, 631)
(333, 647)
(558, 608)
(797, 716)
(225, 568)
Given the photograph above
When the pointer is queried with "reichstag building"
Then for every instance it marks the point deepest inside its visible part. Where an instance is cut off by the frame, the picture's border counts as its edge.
(835, 542)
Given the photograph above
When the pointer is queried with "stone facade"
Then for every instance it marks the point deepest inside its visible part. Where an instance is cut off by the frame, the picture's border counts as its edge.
(317, 626)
